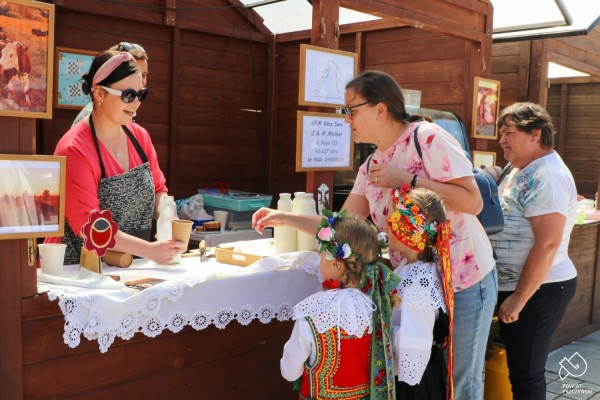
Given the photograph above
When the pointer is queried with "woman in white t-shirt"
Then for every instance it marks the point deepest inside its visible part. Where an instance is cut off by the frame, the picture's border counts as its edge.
(536, 277)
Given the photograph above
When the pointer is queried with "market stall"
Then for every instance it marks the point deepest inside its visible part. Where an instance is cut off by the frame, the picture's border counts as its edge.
(191, 330)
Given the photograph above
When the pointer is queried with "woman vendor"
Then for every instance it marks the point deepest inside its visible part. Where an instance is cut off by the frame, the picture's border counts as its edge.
(112, 164)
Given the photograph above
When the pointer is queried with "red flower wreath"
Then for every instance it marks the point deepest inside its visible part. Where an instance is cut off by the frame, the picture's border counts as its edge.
(99, 232)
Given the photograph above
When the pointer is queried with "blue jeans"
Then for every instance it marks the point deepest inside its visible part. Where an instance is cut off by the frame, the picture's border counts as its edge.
(473, 311)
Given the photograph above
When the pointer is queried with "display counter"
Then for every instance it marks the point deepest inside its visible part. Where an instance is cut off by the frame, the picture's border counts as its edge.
(208, 331)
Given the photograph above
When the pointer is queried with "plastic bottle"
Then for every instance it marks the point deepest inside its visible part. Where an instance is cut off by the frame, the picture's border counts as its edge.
(298, 197)
(308, 206)
(164, 224)
(285, 237)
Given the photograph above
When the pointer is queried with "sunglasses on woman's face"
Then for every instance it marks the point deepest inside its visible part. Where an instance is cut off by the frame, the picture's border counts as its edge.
(127, 95)
(126, 46)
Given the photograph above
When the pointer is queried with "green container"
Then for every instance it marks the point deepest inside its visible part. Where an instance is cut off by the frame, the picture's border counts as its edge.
(235, 200)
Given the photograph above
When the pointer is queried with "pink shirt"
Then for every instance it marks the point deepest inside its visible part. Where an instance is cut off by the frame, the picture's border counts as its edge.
(443, 160)
(84, 173)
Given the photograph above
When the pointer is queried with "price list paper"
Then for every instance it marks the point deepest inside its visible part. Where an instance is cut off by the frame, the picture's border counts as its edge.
(324, 142)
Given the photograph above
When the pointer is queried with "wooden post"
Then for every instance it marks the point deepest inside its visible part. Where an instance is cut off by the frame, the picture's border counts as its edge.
(325, 17)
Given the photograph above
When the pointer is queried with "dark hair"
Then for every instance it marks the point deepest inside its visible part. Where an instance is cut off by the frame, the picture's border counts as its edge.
(121, 72)
(528, 117)
(379, 87)
(363, 241)
(432, 207)
(137, 51)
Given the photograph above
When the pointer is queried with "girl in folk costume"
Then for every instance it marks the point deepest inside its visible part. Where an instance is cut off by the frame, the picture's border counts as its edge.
(341, 345)
(422, 323)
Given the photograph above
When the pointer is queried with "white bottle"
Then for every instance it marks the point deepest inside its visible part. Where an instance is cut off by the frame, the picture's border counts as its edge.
(308, 206)
(298, 197)
(164, 224)
(285, 237)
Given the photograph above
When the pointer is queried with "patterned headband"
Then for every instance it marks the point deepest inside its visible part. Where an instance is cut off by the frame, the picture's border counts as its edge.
(408, 224)
(109, 66)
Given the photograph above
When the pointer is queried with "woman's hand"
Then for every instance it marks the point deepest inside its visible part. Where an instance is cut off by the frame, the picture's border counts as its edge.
(509, 310)
(164, 251)
(267, 217)
(386, 176)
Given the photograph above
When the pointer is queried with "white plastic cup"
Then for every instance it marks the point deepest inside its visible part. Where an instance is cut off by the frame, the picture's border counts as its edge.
(52, 257)
(221, 216)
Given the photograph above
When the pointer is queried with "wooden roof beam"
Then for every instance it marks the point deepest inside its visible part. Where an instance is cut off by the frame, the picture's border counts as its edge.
(367, 26)
(256, 21)
(422, 14)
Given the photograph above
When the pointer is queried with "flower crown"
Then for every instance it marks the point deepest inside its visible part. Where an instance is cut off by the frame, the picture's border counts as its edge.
(408, 224)
(326, 237)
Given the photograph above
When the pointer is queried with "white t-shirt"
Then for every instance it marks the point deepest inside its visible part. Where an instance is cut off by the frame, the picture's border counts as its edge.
(544, 186)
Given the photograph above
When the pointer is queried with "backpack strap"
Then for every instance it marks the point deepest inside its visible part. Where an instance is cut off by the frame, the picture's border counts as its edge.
(369, 161)
(416, 140)
(507, 169)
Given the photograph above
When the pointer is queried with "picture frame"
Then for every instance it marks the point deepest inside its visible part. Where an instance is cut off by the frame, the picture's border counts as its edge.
(26, 58)
(324, 74)
(486, 107)
(323, 142)
(486, 158)
(33, 196)
(71, 65)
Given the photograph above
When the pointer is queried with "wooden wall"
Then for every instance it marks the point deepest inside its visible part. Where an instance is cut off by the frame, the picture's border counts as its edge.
(573, 107)
(200, 83)
(437, 65)
(522, 69)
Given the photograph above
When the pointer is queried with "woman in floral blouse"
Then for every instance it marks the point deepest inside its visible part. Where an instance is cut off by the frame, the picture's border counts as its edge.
(376, 113)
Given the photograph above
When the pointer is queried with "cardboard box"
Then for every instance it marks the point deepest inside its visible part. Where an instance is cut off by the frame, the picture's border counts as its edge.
(226, 255)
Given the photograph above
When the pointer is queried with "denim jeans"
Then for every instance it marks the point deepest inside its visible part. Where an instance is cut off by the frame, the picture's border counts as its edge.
(473, 311)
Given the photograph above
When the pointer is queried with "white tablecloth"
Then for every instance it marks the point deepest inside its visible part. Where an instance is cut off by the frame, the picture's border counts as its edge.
(193, 293)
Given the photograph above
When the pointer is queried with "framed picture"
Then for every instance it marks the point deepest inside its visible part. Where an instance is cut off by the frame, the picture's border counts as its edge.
(323, 142)
(484, 158)
(71, 65)
(486, 107)
(324, 74)
(32, 203)
(27, 43)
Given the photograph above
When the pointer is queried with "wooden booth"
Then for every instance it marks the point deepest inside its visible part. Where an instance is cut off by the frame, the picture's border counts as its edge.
(222, 107)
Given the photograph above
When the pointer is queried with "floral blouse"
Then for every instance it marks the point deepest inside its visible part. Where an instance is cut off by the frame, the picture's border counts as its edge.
(443, 160)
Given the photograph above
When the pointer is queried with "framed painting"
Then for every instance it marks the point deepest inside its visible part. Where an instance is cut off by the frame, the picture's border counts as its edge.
(484, 158)
(26, 58)
(70, 66)
(324, 74)
(33, 196)
(486, 107)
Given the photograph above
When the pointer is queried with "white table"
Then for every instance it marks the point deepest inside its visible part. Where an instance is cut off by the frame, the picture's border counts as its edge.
(193, 293)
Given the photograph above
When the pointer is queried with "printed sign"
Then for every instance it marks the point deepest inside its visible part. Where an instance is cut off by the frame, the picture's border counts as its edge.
(324, 142)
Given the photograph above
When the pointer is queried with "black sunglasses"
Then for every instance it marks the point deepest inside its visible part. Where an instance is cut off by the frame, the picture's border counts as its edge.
(126, 46)
(127, 95)
(348, 110)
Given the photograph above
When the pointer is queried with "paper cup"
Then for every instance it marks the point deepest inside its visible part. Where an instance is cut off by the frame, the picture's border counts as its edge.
(221, 216)
(52, 257)
(182, 229)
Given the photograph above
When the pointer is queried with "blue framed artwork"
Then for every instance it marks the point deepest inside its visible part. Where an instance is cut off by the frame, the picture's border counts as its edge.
(71, 65)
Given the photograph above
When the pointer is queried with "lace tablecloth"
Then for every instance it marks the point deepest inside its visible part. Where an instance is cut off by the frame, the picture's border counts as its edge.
(193, 293)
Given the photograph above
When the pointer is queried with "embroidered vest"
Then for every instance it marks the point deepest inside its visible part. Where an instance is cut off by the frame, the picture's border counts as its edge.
(338, 374)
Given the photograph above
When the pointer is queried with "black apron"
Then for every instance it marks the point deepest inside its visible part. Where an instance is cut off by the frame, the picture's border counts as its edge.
(129, 197)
